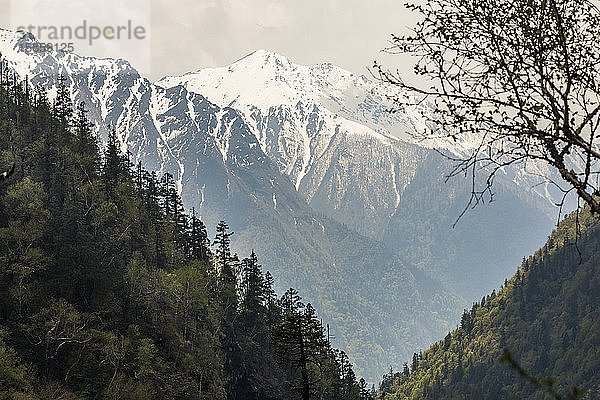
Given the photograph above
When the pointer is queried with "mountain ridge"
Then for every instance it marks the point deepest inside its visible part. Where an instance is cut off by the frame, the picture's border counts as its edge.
(546, 315)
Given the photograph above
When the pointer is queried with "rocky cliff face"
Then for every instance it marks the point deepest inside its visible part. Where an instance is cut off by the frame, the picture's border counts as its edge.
(332, 134)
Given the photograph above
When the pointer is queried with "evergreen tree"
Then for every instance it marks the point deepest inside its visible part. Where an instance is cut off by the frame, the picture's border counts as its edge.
(86, 144)
(300, 339)
(115, 169)
(199, 247)
(228, 305)
(63, 109)
(253, 288)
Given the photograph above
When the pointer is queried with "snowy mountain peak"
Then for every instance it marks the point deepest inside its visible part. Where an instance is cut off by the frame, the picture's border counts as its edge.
(15, 48)
(296, 112)
(8, 36)
(262, 58)
(263, 80)
(24, 55)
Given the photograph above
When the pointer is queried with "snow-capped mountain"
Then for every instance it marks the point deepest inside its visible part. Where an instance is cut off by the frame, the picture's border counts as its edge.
(331, 132)
(309, 170)
(298, 112)
(322, 126)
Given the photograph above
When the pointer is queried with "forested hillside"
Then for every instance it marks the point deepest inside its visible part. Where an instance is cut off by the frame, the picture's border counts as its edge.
(109, 289)
(547, 316)
(222, 170)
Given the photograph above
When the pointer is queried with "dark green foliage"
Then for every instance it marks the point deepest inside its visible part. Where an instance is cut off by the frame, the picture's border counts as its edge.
(301, 339)
(15, 379)
(547, 316)
(318, 371)
(199, 245)
(108, 289)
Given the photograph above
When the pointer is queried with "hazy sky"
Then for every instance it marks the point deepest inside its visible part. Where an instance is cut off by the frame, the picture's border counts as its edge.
(187, 35)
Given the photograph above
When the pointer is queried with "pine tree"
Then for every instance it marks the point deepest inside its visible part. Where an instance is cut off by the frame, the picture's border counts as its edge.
(300, 339)
(86, 145)
(168, 192)
(199, 247)
(228, 305)
(253, 287)
(415, 363)
(115, 167)
(63, 108)
(224, 260)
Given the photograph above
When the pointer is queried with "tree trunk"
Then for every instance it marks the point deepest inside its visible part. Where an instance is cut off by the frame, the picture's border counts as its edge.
(304, 371)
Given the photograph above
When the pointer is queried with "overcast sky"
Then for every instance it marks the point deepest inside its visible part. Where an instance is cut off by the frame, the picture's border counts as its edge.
(187, 35)
(190, 34)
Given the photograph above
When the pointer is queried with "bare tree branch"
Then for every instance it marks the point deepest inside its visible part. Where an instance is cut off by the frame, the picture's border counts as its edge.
(520, 79)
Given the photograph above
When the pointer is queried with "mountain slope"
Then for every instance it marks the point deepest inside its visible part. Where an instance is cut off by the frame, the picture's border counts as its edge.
(221, 170)
(547, 315)
(330, 132)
